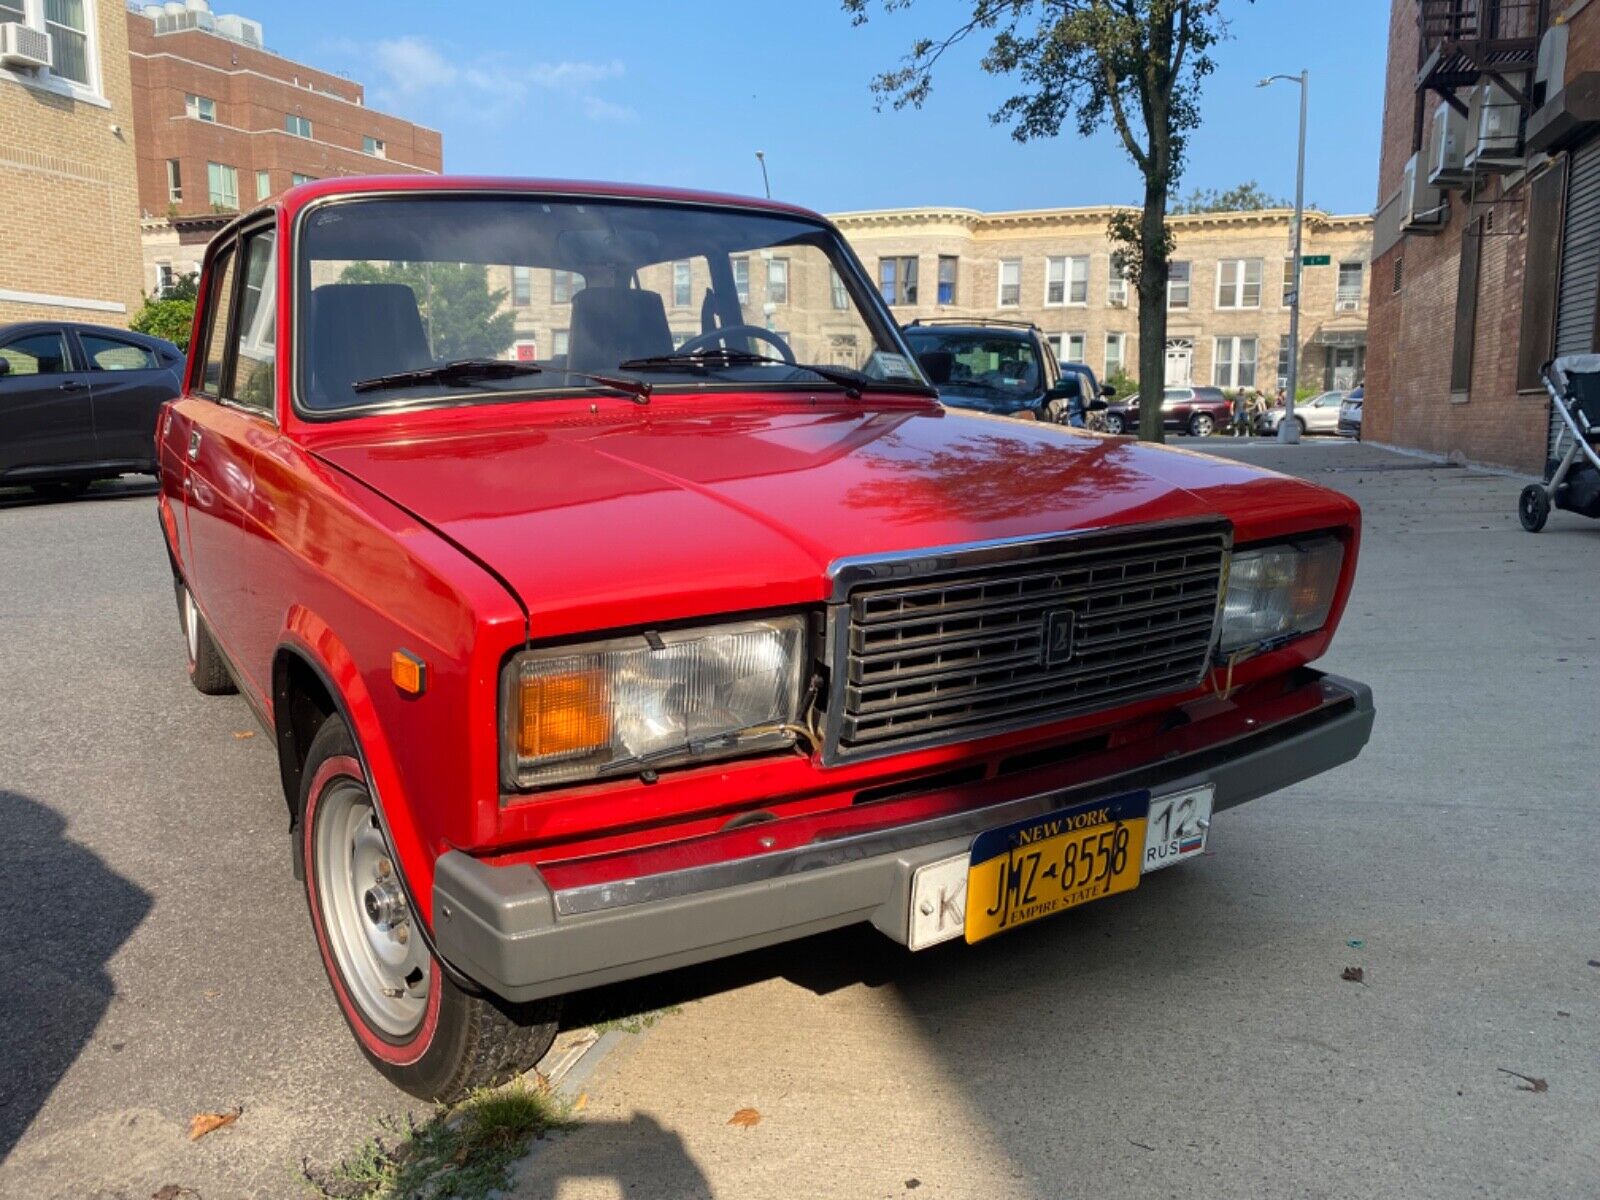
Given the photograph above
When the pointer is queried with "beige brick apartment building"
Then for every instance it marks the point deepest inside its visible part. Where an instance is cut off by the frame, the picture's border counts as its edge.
(69, 208)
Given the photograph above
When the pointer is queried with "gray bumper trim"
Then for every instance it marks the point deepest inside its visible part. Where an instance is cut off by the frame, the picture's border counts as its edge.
(504, 928)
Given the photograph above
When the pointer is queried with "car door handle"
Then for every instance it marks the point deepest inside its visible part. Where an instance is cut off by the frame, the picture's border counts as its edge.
(194, 444)
(72, 385)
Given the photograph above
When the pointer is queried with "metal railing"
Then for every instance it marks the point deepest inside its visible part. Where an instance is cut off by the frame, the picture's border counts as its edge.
(1481, 21)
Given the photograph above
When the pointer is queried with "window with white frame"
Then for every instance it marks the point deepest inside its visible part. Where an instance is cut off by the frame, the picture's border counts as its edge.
(222, 184)
(947, 278)
(174, 181)
(897, 280)
(1066, 281)
(164, 278)
(558, 343)
(1283, 361)
(563, 284)
(1235, 362)
(841, 297)
(521, 286)
(263, 184)
(1178, 277)
(70, 26)
(681, 287)
(778, 280)
(1053, 340)
(1115, 345)
(297, 125)
(376, 147)
(297, 179)
(201, 108)
(13, 12)
(1349, 295)
(1239, 283)
(1074, 348)
(1117, 288)
(741, 278)
(1010, 282)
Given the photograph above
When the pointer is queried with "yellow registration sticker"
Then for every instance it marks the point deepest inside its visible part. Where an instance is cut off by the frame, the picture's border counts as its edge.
(1026, 871)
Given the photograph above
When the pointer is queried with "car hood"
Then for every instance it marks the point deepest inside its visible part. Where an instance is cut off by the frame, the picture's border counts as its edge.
(672, 512)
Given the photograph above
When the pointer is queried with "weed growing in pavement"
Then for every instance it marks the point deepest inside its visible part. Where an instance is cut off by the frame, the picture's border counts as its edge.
(635, 1022)
(464, 1152)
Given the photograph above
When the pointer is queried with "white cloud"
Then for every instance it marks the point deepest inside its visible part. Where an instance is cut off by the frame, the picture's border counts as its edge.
(416, 69)
(411, 65)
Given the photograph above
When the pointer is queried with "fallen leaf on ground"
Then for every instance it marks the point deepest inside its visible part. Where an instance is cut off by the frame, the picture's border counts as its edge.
(1353, 975)
(241, 734)
(1529, 1083)
(203, 1123)
(172, 1191)
(745, 1118)
(913, 1184)
(581, 1103)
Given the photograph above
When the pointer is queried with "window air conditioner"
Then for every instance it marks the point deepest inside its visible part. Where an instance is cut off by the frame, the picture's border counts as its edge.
(1348, 306)
(1447, 153)
(1550, 76)
(23, 47)
(1495, 120)
(1425, 206)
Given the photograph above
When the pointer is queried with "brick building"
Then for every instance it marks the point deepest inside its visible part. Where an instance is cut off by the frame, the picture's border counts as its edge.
(69, 207)
(223, 124)
(1486, 257)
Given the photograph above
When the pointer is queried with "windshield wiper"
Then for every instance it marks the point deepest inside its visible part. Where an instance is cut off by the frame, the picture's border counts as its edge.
(470, 370)
(851, 381)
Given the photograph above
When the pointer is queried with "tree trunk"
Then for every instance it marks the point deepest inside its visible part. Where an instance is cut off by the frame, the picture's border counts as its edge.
(1152, 310)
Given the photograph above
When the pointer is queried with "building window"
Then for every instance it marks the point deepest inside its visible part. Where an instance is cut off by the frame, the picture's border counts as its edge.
(558, 343)
(222, 183)
(1114, 348)
(841, 297)
(521, 286)
(298, 125)
(1178, 276)
(67, 23)
(1117, 288)
(296, 179)
(1010, 282)
(563, 285)
(1235, 363)
(947, 278)
(778, 280)
(1283, 361)
(263, 185)
(376, 147)
(741, 278)
(164, 278)
(1349, 295)
(897, 280)
(1239, 283)
(681, 287)
(1076, 347)
(174, 181)
(201, 108)
(1288, 282)
(1066, 281)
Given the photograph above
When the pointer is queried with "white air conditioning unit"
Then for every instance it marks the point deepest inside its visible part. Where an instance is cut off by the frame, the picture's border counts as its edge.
(1550, 76)
(1447, 153)
(1347, 306)
(1117, 301)
(23, 47)
(1424, 206)
(1495, 120)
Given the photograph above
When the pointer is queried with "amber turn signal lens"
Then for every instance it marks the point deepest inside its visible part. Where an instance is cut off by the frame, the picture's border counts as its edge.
(564, 714)
(409, 673)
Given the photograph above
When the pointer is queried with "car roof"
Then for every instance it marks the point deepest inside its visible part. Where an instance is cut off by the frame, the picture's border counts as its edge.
(18, 328)
(1014, 332)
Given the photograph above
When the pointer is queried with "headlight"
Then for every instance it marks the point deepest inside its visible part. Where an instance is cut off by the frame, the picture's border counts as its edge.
(1279, 591)
(581, 712)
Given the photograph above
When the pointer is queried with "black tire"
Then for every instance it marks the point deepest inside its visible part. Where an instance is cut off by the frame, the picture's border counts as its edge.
(1533, 507)
(1114, 423)
(208, 671)
(462, 1040)
(1202, 425)
(1300, 426)
(60, 490)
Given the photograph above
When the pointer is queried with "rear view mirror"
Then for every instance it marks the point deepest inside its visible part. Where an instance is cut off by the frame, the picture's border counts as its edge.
(1107, 391)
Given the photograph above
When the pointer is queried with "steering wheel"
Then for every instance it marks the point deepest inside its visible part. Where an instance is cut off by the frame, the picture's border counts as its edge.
(706, 340)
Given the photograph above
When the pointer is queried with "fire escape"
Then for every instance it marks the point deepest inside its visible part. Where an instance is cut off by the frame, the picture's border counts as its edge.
(1482, 66)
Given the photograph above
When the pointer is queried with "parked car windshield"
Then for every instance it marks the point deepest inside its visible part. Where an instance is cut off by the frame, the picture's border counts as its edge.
(981, 361)
(575, 287)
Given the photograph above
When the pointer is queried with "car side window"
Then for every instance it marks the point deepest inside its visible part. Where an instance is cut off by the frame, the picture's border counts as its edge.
(37, 354)
(114, 354)
(219, 304)
(257, 326)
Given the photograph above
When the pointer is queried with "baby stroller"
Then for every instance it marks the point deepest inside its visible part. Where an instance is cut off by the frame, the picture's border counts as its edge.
(1572, 480)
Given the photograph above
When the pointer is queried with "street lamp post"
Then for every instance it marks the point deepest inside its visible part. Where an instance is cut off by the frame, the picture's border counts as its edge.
(761, 157)
(1289, 428)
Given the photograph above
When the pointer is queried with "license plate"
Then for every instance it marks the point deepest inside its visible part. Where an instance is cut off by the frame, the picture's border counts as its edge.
(1021, 873)
(1177, 827)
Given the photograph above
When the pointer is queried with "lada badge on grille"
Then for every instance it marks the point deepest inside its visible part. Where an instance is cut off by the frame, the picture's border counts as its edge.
(1061, 637)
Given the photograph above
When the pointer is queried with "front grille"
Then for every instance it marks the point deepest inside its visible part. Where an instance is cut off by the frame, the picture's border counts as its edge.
(1005, 637)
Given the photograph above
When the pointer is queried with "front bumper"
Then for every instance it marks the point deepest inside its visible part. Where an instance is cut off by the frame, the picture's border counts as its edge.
(506, 929)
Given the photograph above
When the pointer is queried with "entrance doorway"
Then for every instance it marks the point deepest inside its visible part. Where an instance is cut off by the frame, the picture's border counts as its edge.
(1345, 375)
(1180, 361)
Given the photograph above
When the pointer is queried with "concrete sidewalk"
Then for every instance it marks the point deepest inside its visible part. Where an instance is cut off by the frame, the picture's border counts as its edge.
(1194, 1038)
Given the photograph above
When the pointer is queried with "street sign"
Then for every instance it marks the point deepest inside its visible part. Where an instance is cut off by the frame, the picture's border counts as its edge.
(1315, 260)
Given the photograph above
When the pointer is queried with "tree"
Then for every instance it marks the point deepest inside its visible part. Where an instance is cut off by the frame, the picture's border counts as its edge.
(1135, 65)
(464, 318)
(1247, 197)
(171, 315)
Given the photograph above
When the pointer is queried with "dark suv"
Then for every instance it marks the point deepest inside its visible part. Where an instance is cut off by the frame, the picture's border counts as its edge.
(1001, 367)
(1197, 410)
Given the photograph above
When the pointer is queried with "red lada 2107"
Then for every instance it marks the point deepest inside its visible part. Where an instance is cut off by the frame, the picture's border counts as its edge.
(619, 596)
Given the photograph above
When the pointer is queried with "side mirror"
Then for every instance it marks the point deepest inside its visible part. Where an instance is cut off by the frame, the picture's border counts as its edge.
(1061, 391)
(1098, 405)
(1107, 390)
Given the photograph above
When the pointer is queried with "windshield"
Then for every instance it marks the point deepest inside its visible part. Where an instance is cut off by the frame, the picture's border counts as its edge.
(994, 362)
(416, 299)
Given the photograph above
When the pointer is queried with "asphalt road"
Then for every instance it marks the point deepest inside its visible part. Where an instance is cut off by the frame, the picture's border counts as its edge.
(1192, 1038)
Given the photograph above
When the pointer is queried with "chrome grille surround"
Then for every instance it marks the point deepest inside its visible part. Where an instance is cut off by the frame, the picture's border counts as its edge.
(947, 645)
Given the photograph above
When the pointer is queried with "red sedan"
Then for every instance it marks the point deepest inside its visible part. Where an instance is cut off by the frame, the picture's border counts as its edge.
(656, 610)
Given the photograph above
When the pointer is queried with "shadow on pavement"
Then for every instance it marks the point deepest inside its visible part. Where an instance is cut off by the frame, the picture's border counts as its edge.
(639, 1156)
(123, 488)
(63, 914)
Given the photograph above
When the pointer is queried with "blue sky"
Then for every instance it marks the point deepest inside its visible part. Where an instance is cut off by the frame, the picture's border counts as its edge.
(684, 94)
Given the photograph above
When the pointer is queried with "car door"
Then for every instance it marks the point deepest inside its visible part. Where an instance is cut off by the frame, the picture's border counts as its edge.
(129, 381)
(46, 421)
(1323, 416)
(1176, 404)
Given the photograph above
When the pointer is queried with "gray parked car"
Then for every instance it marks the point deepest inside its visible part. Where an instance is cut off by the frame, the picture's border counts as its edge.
(79, 403)
(1320, 414)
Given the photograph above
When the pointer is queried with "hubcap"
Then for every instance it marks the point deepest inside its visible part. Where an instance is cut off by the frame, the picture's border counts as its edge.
(368, 922)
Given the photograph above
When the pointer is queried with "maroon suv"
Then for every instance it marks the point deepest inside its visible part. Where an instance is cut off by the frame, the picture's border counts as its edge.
(1197, 410)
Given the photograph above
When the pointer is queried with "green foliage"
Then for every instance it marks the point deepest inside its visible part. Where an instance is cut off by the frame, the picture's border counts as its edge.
(1247, 197)
(464, 318)
(171, 316)
(464, 1152)
(1125, 384)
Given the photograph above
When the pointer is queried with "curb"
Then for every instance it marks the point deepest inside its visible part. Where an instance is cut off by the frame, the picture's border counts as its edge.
(577, 1055)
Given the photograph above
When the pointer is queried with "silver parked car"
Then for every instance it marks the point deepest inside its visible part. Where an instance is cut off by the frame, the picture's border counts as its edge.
(1320, 414)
